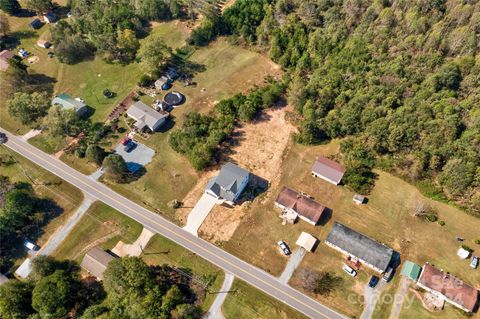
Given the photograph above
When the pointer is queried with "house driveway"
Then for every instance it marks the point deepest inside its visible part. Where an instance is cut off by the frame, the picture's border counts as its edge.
(139, 156)
(400, 297)
(295, 260)
(371, 297)
(199, 213)
(135, 249)
(215, 311)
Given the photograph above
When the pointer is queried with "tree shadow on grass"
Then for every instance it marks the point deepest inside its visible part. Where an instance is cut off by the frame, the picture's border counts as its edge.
(43, 82)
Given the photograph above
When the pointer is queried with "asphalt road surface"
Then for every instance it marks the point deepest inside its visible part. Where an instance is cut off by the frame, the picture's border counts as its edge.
(154, 222)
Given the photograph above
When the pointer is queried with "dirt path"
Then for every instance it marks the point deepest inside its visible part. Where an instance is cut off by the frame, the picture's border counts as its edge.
(399, 298)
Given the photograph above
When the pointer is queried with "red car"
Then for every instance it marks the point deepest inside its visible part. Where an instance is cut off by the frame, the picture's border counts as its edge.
(126, 140)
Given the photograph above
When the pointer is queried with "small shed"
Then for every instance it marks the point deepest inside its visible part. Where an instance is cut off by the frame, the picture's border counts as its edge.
(358, 199)
(161, 82)
(44, 44)
(306, 241)
(50, 17)
(411, 270)
(25, 269)
(36, 24)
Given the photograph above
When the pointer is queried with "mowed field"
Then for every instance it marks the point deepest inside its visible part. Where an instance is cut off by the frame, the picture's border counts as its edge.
(104, 226)
(247, 302)
(45, 185)
(170, 176)
(386, 217)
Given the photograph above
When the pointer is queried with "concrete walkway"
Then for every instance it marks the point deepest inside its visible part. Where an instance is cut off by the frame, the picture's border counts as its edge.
(295, 260)
(371, 297)
(96, 175)
(215, 311)
(399, 297)
(30, 134)
(121, 249)
(198, 214)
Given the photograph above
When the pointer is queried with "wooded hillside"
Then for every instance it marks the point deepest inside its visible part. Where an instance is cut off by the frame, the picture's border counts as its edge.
(398, 78)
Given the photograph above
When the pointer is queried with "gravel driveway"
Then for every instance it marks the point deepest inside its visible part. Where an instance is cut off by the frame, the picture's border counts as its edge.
(294, 260)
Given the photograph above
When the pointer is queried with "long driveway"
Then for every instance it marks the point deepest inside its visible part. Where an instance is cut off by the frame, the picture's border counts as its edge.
(240, 269)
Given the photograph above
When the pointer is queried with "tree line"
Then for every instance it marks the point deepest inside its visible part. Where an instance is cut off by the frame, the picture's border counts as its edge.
(130, 289)
(200, 136)
(396, 79)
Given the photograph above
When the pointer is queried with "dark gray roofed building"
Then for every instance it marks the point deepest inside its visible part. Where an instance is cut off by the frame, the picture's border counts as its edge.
(368, 251)
(229, 184)
(96, 261)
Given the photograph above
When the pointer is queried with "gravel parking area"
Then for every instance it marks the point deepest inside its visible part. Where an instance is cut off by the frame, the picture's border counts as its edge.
(139, 156)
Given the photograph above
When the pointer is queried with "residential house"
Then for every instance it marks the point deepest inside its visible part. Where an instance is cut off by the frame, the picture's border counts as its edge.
(306, 241)
(96, 261)
(50, 17)
(448, 288)
(68, 103)
(358, 246)
(5, 56)
(328, 170)
(295, 204)
(146, 117)
(36, 24)
(411, 270)
(229, 183)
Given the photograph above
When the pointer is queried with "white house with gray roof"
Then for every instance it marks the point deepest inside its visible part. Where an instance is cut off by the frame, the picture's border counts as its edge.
(229, 184)
(368, 251)
(146, 117)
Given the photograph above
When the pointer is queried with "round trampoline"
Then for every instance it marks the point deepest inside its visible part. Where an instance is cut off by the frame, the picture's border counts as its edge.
(173, 98)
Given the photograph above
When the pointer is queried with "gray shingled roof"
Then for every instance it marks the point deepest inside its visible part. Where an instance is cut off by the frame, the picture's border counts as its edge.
(225, 184)
(96, 261)
(361, 246)
(145, 115)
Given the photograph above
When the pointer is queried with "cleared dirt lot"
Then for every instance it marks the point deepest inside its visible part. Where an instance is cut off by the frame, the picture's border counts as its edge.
(259, 147)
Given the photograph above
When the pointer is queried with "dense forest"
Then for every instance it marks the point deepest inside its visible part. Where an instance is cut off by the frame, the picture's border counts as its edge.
(397, 81)
(130, 289)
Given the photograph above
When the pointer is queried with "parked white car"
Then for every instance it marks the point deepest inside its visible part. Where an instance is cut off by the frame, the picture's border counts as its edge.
(349, 270)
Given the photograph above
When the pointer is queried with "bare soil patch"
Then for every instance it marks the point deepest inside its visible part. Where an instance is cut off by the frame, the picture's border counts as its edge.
(259, 147)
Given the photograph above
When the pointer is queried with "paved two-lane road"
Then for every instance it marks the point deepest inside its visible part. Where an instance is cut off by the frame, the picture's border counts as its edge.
(240, 269)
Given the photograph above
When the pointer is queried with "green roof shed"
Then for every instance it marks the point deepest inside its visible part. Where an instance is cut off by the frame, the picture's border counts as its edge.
(411, 270)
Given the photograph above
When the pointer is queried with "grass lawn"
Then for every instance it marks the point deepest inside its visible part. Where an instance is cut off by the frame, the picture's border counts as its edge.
(104, 226)
(161, 250)
(46, 185)
(170, 176)
(386, 217)
(101, 225)
(247, 302)
(414, 309)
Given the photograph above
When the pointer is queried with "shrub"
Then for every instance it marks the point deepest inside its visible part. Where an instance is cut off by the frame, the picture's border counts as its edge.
(441, 223)
(431, 217)
(477, 241)
(145, 80)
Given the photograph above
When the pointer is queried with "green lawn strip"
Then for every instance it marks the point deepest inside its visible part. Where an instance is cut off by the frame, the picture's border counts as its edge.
(247, 302)
(102, 225)
(161, 250)
(46, 185)
(169, 176)
(389, 205)
(413, 309)
(386, 298)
